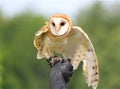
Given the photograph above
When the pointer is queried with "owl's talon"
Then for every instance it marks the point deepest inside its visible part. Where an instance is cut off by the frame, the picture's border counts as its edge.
(69, 59)
(62, 61)
(53, 60)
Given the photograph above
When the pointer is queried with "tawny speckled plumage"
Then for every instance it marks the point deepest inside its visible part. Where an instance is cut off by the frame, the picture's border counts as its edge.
(72, 42)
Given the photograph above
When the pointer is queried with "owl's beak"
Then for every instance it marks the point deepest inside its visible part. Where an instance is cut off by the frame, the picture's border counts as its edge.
(58, 28)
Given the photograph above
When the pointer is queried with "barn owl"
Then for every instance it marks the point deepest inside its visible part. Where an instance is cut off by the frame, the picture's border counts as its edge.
(59, 35)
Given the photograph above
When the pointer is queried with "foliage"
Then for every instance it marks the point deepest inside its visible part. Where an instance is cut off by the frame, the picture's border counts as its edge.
(19, 69)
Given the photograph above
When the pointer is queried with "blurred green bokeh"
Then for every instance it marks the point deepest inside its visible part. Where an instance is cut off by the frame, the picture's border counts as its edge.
(19, 68)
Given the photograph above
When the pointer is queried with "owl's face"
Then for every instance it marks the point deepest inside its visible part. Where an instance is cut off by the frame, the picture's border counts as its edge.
(59, 26)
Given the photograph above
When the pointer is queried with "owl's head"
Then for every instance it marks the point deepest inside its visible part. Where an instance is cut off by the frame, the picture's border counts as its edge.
(60, 25)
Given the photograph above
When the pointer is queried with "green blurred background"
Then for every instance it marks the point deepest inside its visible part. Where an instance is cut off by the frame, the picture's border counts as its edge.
(19, 68)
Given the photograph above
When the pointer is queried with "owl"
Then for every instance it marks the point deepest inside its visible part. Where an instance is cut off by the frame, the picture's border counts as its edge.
(59, 35)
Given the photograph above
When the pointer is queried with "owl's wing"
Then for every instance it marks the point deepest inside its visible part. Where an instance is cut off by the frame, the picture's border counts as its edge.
(39, 41)
(85, 52)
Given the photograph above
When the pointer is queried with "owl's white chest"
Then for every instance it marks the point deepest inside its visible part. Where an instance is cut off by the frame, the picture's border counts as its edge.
(57, 46)
(67, 46)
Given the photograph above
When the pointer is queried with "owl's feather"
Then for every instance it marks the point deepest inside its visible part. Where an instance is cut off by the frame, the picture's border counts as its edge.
(39, 41)
(84, 51)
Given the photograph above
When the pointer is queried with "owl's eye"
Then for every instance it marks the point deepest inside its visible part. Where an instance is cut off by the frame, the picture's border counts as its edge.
(62, 23)
(53, 23)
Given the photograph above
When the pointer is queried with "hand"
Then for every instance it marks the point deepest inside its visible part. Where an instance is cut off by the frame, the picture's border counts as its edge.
(66, 69)
(61, 66)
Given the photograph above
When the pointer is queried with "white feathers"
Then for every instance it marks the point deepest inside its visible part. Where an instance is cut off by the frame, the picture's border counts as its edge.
(39, 56)
(58, 26)
(38, 33)
(90, 64)
(85, 52)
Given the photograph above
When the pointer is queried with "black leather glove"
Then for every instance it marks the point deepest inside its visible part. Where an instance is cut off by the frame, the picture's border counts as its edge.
(66, 69)
(60, 73)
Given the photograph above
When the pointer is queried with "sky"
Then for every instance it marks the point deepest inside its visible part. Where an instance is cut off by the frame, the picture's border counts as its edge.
(11, 8)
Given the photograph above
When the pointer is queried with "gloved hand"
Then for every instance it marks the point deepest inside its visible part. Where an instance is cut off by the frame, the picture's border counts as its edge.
(66, 69)
(60, 73)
